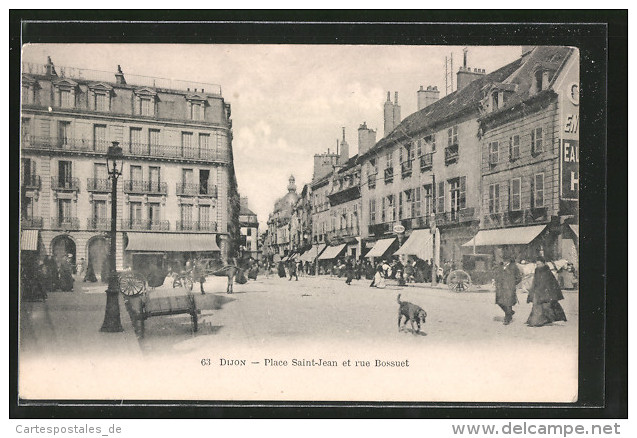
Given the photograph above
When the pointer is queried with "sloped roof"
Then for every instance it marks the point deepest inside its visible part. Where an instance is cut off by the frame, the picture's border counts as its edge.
(245, 211)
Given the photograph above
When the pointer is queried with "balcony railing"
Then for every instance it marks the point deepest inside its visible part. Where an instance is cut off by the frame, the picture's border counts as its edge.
(129, 149)
(420, 222)
(188, 189)
(389, 175)
(406, 168)
(71, 184)
(344, 232)
(65, 223)
(31, 182)
(513, 218)
(150, 187)
(145, 224)
(379, 229)
(31, 222)
(98, 223)
(451, 154)
(99, 185)
(196, 226)
(426, 162)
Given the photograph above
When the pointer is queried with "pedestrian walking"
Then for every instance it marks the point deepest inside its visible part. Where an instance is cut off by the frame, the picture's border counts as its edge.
(281, 270)
(199, 274)
(545, 294)
(90, 273)
(379, 279)
(506, 279)
(81, 268)
(66, 276)
(292, 269)
(349, 272)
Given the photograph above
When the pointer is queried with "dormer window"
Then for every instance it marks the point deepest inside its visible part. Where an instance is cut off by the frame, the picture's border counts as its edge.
(65, 93)
(145, 99)
(100, 95)
(29, 90)
(196, 106)
(542, 77)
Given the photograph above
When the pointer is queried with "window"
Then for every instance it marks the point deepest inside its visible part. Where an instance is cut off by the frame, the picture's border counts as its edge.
(538, 191)
(536, 141)
(25, 130)
(154, 213)
(154, 176)
(153, 141)
(440, 208)
(65, 174)
(197, 111)
(452, 136)
(64, 133)
(100, 173)
(428, 205)
(27, 94)
(186, 215)
(136, 146)
(389, 161)
(67, 99)
(27, 207)
(186, 144)
(390, 215)
(494, 198)
(102, 102)
(64, 210)
(204, 182)
(135, 213)
(516, 188)
(458, 194)
(495, 101)
(187, 176)
(416, 204)
(419, 148)
(136, 173)
(408, 204)
(204, 213)
(146, 107)
(204, 146)
(514, 147)
(494, 152)
(99, 138)
(372, 211)
(99, 211)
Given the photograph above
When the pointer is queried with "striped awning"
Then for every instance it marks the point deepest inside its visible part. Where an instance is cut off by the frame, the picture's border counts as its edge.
(165, 242)
(332, 252)
(420, 243)
(380, 247)
(506, 236)
(311, 254)
(29, 240)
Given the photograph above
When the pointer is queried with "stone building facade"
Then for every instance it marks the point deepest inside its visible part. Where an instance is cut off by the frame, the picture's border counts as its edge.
(178, 182)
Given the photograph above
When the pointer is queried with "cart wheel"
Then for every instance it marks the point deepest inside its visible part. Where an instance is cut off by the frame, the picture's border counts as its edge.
(132, 285)
(459, 281)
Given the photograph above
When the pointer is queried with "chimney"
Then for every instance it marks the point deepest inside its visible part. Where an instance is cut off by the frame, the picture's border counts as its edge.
(119, 76)
(396, 110)
(388, 115)
(344, 156)
(366, 138)
(428, 96)
(465, 76)
(324, 164)
(50, 68)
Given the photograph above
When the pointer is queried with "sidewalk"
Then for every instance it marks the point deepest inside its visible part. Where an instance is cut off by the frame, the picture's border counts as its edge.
(68, 323)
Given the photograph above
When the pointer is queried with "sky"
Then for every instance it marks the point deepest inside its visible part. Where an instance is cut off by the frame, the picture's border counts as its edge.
(288, 102)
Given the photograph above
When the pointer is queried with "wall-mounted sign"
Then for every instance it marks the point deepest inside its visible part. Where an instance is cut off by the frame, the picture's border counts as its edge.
(398, 229)
(569, 156)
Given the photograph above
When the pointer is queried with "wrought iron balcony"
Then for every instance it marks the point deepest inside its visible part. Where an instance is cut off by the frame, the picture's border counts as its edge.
(130, 149)
(196, 226)
(66, 184)
(145, 224)
(148, 187)
(31, 222)
(426, 162)
(451, 154)
(189, 189)
(65, 223)
(99, 185)
(513, 218)
(98, 223)
(31, 182)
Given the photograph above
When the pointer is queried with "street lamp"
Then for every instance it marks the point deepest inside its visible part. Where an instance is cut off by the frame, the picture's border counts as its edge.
(112, 322)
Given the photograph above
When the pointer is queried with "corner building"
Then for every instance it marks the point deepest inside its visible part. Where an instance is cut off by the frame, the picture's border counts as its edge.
(175, 195)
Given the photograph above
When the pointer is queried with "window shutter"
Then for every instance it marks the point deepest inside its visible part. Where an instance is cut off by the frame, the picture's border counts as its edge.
(463, 192)
(533, 141)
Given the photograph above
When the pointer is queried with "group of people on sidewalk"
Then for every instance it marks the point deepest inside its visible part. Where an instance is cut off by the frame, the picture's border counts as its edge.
(41, 275)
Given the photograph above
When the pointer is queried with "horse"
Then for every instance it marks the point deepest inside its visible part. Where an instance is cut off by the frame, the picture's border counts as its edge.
(218, 268)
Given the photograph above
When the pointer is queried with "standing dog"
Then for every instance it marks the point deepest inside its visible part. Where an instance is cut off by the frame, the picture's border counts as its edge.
(411, 312)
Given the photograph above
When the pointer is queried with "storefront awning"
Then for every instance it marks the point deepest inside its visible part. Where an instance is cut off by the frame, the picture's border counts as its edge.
(380, 248)
(575, 229)
(332, 252)
(420, 243)
(311, 254)
(172, 242)
(506, 236)
(29, 240)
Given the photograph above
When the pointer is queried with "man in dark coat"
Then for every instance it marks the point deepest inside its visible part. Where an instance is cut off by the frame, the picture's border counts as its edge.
(281, 270)
(66, 276)
(506, 279)
(292, 270)
(544, 293)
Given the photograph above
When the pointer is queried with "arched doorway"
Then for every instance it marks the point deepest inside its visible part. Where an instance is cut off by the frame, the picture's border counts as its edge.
(98, 256)
(61, 248)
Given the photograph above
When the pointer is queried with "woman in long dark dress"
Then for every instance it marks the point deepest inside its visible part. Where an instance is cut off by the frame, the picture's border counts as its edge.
(66, 276)
(544, 293)
(281, 270)
(90, 273)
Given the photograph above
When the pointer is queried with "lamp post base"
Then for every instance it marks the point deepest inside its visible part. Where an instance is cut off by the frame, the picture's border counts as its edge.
(112, 321)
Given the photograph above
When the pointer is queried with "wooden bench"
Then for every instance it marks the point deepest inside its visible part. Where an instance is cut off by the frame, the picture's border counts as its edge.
(144, 307)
